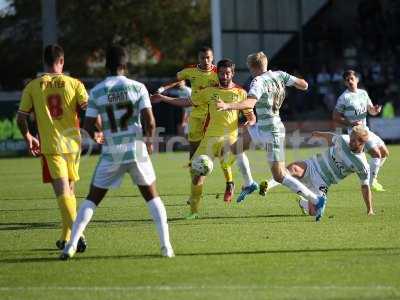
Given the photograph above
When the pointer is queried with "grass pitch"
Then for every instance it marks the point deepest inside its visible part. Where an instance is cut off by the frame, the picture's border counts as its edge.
(261, 249)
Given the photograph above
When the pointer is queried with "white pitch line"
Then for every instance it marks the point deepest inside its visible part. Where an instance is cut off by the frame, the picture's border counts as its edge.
(189, 287)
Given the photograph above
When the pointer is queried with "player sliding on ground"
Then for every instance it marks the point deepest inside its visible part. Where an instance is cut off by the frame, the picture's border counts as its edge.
(200, 76)
(267, 92)
(344, 157)
(351, 109)
(121, 102)
(222, 131)
(56, 100)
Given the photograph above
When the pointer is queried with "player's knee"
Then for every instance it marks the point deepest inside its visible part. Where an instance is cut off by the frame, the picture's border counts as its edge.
(198, 180)
(278, 176)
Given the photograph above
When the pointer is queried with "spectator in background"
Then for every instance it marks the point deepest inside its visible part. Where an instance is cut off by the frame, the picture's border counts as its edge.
(376, 71)
(323, 82)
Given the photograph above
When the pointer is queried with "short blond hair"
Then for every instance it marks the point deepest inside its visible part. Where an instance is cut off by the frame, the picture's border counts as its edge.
(361, 131)
(257, 60)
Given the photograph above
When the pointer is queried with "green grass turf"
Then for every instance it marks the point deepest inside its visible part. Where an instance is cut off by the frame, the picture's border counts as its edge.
(263, 248)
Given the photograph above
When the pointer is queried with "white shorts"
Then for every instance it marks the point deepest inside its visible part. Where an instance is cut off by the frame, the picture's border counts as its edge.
(109, 175)
(373, 141)
(313, 180)
(272, 140)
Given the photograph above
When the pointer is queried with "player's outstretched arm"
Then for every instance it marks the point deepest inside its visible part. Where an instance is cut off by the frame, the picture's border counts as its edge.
(32, 142)
(249, 103)
(167, 86)
(149, 127)
(180, 102)
(367, 196)
(301, 84)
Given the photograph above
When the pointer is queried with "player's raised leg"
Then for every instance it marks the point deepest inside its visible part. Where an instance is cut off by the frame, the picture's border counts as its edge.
(238, 148)
(379, 153)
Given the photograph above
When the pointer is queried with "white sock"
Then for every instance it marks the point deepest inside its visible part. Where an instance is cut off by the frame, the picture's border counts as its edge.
(383, 159)
(297, 187)
(272, 183)
(244, 168)
(159, 214)
(304, 204)
(374, 165)
(85, 214)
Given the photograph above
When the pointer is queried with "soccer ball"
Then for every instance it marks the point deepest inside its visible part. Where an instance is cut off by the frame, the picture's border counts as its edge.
(202, 165)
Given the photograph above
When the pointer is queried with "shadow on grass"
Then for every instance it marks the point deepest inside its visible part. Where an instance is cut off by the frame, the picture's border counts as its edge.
(182, 196)
(56, 225)
(83, 257)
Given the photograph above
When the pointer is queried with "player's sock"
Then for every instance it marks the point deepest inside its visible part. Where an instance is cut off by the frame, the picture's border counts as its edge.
(67, 205)
(304, 204)
(272, 183)
(85, 214)
(297, 187)
(374, 165)
(244, 168)
(383, 159)
(157, 211)
(195, 196)
(226, 166)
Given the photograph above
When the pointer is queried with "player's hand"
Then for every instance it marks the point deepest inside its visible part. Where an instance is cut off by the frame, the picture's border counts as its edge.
(157, 98)
(160, 90)
(250, 120)
(221, 105)
(33, 145)
(149, 147)
(99, 137)
(377, 109)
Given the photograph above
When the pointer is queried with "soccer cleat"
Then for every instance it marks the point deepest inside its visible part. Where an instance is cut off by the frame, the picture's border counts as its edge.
(320, 207)
(82, 245)
(68, 252)
(60, 244)
(167, 252)
(376, 186)
(263, 188)
(303, 210)
(247, 191)
(188, 201)
(192, 216)
(229, 190)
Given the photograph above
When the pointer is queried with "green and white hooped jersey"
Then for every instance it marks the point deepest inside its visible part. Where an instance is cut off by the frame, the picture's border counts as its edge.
(269, 89)
(339, 161)
(119, 100)
(354, 106)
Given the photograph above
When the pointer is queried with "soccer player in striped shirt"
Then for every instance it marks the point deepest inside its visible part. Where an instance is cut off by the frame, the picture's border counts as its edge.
(200, 76)
(267, 93)
(344, 156)
(121, 103)
(55, 99)
(351, 109)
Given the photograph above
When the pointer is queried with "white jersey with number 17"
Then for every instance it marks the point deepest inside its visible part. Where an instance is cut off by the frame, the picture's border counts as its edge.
(119, 100)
